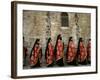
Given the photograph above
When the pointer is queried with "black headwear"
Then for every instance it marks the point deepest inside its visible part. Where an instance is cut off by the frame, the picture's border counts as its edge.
(78, 48)
(36, 42)
(58, 37)
(47, 47)
(68, 43)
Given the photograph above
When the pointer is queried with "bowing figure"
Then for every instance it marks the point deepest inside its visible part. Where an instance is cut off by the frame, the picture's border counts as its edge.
(36, 54)
(49, 53)
(59, 51)
(25, 53)
(89, 51)
(71, 52)
(82, 52)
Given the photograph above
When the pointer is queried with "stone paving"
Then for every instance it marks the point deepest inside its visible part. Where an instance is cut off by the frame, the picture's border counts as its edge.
(43, 64)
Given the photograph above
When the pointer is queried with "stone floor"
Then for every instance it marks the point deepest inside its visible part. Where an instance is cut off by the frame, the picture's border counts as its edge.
(43, 64)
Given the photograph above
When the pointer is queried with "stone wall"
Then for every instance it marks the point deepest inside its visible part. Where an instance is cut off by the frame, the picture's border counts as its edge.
(38, 24)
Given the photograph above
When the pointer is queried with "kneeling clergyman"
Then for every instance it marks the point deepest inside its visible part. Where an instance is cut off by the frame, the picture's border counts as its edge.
(49, 53)
(36, 54)
(59, 51)
(89, 51)
(71, 52)
(82, 52)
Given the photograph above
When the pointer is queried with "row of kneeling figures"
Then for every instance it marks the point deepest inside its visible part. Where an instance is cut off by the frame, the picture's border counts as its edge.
(74, 56)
